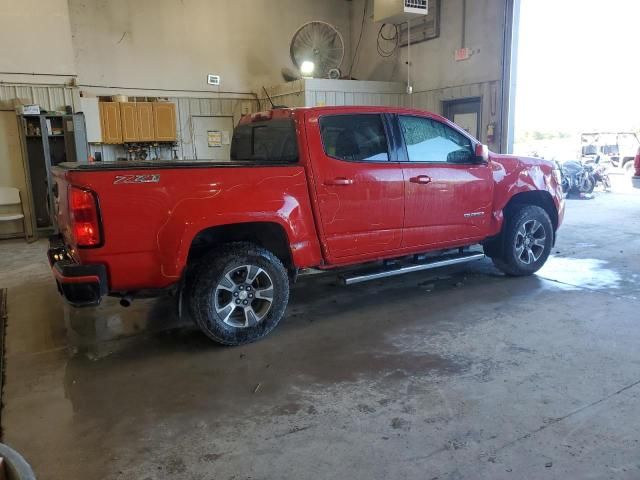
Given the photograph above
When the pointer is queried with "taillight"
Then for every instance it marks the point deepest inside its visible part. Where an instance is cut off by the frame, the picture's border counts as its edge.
(85, 220)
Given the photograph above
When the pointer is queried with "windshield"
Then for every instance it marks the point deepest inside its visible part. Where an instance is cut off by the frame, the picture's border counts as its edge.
(268, 141)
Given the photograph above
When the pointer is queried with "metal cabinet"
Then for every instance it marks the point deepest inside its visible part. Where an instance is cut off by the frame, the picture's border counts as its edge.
(48, 140)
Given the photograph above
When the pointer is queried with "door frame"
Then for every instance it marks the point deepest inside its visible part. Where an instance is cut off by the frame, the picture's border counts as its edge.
(193, 135)
(447, 104)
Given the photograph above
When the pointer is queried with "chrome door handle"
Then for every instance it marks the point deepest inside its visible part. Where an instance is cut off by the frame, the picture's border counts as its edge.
(421, 179)
(339, 181)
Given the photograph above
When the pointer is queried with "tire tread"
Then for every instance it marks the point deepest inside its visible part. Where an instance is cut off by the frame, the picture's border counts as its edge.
(213, 264)
(503, 261)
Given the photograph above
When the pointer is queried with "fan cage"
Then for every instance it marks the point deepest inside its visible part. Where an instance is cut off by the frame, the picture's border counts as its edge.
(420, 4)
(325, 66)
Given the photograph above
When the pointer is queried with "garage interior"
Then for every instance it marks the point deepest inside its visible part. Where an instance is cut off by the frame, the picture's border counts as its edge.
(456, 373)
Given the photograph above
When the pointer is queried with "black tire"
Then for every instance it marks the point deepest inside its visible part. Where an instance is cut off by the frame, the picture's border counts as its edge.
(590, 185)
(210, 283)
(511, 260)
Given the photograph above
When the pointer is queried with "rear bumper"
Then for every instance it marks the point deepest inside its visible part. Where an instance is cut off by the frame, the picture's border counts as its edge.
(80, 285)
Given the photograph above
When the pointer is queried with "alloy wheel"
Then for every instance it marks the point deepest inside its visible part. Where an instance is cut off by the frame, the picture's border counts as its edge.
(530, 242)
(244, 296)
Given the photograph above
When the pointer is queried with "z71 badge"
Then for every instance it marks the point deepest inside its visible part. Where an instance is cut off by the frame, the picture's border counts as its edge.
(154, 178)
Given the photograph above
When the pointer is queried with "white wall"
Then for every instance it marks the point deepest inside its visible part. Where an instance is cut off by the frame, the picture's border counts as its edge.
(174, 44)
(36, 38)
(433, 63)
(436, 76)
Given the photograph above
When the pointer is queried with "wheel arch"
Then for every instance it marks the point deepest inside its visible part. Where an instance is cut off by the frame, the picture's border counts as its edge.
(539, 198)
(269, 235)
(494, 245)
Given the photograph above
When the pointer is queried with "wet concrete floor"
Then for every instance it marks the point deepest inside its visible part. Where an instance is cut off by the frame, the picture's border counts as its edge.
(449, 375)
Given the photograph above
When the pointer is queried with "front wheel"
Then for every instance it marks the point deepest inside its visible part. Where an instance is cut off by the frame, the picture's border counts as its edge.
(238, 294)
(526, 242)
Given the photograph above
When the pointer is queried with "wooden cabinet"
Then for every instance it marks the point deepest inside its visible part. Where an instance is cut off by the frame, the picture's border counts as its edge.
(164, 118)
(144, 113)
(129, 118)
(111, 122)
(132, 122)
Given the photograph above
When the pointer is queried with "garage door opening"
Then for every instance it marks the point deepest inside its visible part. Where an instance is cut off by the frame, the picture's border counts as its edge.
(577, 97)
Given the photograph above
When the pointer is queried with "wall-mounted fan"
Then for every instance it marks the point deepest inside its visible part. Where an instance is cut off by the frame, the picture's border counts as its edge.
(316, 49)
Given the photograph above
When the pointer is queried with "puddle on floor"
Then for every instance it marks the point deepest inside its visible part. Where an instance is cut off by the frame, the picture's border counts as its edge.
(580, 272)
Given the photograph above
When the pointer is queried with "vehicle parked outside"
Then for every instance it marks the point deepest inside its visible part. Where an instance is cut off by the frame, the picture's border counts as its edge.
(323, 188)
(636, 177)
(619, 147)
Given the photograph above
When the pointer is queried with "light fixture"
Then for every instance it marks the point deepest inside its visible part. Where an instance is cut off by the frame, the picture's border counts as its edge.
(307, 68)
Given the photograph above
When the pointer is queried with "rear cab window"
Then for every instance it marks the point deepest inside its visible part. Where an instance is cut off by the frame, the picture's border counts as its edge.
(266, 141)
(354, 138)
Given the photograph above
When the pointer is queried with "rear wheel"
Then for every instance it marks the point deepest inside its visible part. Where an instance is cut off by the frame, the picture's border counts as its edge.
(526, 241)
(239, 294)
(587, 183)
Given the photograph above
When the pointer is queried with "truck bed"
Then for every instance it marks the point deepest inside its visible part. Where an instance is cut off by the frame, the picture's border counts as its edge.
(150, 212)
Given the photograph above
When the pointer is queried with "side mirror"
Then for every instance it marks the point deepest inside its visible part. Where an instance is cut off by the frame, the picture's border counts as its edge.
(482, 153)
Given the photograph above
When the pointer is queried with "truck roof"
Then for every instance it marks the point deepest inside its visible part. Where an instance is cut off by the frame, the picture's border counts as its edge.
(290, 112)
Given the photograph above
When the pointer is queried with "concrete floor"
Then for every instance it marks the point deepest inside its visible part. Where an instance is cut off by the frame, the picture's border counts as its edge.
(459, 374)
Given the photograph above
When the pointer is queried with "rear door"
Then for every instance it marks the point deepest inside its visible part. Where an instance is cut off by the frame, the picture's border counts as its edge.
(448, 193)
(360, 192)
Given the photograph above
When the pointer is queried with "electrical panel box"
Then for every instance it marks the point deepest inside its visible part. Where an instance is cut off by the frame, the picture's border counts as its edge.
(399, 11)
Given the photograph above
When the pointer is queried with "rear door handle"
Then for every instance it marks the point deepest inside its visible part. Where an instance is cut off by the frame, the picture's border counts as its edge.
(339, 181)
(421, 179)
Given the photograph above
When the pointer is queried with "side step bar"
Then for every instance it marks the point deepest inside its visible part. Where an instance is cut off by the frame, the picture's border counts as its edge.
(441, 262)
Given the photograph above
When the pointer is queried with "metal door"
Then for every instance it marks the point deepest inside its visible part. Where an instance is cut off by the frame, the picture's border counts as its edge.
(465, 113)
(212, 137)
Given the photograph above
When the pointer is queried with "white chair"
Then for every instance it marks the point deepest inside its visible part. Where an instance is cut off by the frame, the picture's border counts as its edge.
(10, 196)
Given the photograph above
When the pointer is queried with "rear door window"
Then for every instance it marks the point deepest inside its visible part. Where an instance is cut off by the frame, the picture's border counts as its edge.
(355, 138)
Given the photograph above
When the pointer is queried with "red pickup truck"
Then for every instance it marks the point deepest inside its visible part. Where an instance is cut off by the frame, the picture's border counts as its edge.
(322, 188)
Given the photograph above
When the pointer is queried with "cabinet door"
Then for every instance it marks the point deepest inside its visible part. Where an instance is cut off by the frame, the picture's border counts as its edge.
(164, 117)
(111, 123)
(144, 112)
(129, 117)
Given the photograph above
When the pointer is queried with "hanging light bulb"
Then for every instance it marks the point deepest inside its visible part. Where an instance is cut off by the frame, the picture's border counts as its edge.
(307, 68)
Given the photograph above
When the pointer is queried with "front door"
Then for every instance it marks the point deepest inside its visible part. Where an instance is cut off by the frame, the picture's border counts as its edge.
(360, 193)
(448, 193)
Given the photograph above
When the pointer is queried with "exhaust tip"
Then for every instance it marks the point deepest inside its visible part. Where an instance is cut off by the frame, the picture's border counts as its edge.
(126, 301)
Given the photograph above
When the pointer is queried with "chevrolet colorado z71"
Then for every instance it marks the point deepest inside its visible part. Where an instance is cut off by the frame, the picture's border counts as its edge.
(322, 188)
